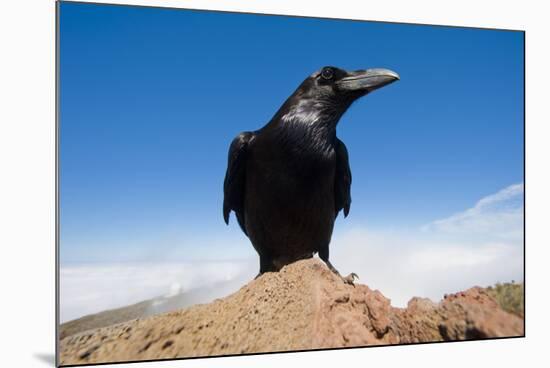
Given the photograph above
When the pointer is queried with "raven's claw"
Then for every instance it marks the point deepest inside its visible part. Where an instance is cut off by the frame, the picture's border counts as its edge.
(350, 279)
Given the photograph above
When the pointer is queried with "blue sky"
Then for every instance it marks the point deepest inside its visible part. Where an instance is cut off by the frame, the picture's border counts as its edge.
(151, 98)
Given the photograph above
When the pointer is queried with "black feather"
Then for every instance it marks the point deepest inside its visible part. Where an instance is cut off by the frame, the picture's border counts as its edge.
(234, 185)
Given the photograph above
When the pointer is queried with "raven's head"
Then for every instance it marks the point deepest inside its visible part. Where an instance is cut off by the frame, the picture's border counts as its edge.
(325, 95)
(337, 84)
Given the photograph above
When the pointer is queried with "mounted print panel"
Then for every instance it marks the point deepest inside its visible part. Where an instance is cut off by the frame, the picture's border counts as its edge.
(234, 183)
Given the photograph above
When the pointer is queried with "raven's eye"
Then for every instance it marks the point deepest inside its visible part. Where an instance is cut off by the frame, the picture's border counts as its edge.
(327, 74)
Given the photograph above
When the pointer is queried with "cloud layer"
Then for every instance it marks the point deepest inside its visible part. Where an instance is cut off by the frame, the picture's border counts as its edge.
(479, 246)
(86, 289)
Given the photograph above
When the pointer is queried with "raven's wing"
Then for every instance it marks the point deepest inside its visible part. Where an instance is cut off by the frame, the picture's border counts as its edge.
(342, 180)
(235, 178)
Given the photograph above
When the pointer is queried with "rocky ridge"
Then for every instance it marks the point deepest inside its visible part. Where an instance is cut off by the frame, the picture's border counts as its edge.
(302, 307)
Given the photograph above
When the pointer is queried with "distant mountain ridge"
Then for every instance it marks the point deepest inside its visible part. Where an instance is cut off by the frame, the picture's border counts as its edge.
(145, 308)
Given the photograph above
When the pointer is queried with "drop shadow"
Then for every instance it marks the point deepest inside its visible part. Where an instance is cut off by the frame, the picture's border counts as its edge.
(46, 358)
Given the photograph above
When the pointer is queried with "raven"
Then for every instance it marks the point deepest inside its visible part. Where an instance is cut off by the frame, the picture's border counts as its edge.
(287, 181)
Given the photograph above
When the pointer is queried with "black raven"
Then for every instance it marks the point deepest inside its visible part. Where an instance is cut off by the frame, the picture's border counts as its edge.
(287, 181)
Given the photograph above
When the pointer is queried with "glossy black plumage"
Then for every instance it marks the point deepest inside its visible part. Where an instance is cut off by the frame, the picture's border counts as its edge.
(287, 181)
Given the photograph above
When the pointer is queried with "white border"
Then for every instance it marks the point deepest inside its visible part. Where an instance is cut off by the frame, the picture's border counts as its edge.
(27, 185)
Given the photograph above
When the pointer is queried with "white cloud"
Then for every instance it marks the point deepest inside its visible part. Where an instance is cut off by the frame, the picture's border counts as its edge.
(497, 215)
(86, 289)
(479, 246)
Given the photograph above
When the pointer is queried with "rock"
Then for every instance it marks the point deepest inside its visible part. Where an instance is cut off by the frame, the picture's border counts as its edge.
(304, 306)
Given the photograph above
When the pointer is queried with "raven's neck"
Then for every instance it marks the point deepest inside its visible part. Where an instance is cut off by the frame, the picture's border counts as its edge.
(308, 127)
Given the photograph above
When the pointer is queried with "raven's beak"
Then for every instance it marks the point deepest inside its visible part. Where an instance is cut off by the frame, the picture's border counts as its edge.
(367, 80)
